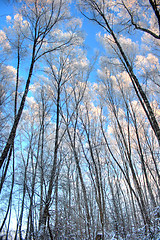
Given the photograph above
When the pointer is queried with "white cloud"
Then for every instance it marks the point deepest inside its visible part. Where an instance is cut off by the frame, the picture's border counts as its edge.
(9, 73)
(8, 18)
(4, 41)
(147, 63)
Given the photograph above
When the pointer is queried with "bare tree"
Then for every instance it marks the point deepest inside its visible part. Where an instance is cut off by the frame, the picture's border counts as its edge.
(41, 19)
(100, 12)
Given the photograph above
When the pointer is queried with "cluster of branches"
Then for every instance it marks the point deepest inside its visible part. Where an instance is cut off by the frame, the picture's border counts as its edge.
(82, 157)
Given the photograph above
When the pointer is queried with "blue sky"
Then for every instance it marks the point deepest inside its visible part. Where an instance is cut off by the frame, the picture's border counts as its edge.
(6, 8)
